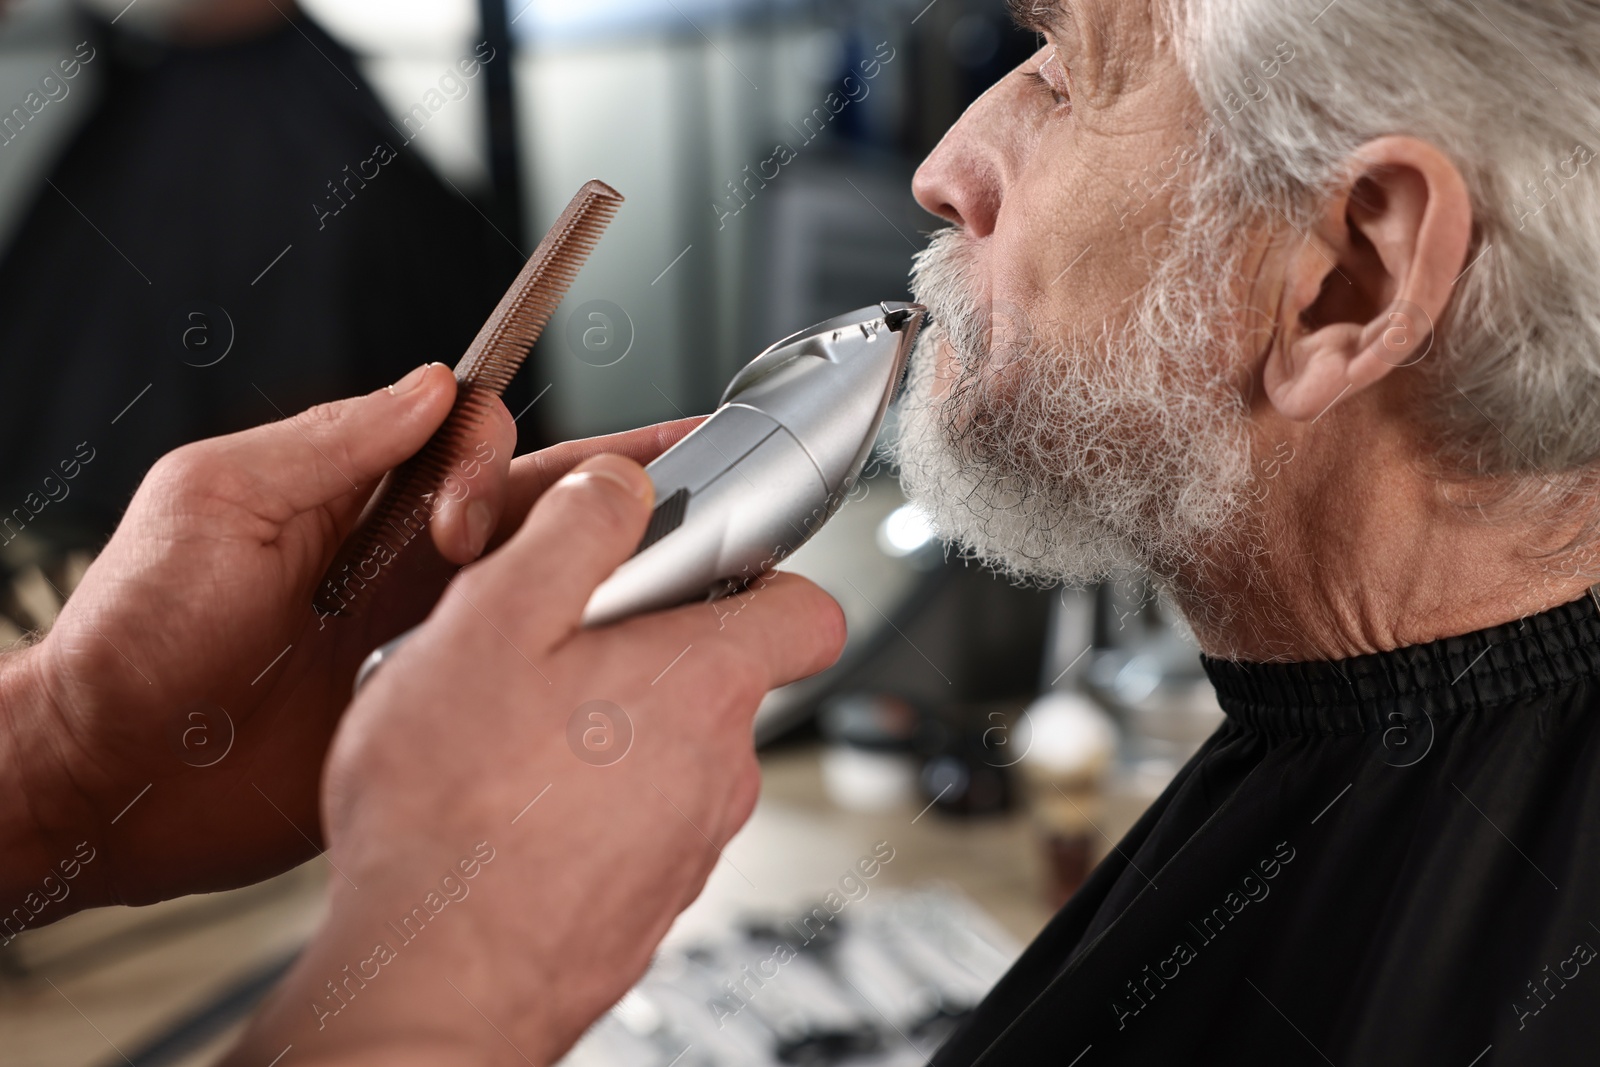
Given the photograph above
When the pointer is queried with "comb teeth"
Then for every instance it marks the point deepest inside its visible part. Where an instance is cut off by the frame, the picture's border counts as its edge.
(405, 503)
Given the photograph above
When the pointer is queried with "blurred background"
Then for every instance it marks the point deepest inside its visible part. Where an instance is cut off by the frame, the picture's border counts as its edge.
(217, 212)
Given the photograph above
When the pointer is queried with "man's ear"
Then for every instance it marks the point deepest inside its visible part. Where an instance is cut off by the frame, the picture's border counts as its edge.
(1364, 289)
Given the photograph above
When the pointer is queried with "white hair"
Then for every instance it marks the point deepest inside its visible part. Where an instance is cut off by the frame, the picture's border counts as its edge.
(1510, 91)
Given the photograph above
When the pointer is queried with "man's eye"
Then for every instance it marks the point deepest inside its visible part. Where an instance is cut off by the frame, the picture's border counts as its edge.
(1052, 79)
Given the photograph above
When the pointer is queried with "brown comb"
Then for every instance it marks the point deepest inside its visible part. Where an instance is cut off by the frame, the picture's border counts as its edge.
(405, 501)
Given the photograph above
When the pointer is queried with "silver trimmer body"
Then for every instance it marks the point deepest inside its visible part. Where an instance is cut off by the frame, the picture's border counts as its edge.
(756, 480)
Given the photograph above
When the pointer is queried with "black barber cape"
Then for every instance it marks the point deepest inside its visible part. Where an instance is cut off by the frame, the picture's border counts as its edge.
(1390, 859)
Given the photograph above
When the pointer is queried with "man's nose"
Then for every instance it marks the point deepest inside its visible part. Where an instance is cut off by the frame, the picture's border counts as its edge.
(961, 180)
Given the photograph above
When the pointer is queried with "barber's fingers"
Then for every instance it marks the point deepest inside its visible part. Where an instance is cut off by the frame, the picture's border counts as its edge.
(532, 475)
(795, 627)
(783, 626)
(582, 529)
(474, 494)
(332, 452)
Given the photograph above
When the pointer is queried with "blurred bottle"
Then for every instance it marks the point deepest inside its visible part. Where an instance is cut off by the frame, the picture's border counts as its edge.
(1070, 745)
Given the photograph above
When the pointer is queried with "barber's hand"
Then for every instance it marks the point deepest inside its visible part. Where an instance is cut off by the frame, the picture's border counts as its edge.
(189, 691)
(500, 883)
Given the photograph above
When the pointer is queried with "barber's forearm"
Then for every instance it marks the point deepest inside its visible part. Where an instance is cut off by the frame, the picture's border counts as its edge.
(348, 1002)
(45, 876)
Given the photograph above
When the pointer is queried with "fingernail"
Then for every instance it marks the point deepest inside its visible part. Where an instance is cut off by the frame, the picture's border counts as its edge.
(480, 524)
(411, 381)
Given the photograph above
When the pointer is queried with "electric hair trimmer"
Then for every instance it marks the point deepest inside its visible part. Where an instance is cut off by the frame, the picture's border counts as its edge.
(755, 481)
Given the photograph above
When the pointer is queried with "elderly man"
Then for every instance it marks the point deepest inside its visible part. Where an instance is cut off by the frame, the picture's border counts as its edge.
(1284, 303)
(1290, 304)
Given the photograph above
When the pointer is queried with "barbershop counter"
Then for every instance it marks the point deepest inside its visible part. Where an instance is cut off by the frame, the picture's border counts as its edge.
(173, 983)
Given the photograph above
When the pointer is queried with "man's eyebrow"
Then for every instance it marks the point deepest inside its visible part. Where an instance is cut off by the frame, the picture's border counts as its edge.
(1039, 16)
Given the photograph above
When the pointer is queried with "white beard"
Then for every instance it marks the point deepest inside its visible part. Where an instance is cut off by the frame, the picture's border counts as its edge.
(1056, 459)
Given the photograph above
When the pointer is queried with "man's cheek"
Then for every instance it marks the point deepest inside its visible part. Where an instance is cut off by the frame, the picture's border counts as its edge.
(946, 369)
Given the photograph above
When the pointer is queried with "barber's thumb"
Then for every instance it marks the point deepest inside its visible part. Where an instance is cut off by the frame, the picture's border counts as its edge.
(581, 530)
(321, 455)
